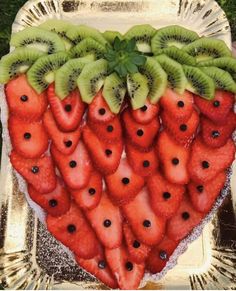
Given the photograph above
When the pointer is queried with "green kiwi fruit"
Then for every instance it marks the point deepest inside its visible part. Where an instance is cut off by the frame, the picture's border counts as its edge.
(142, 34)
(173, 35)
(114, 92)
(226, 63)
(175, 73)
(157, 79)
(179, 56)
(222, 79)
(42, 73)
(34, 37)
(207, 49)
(199, 83)
(17, 62)
(88, 46)
(60, 27)
(91, 79)
(80, 32)
(66, 77)
(137, 85)
(111, 35)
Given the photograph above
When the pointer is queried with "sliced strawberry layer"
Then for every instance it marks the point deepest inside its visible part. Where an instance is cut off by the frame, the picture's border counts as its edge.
(67, 112)
(138, 251)
(147, 227)
(205, 163)
(98, 110)
(203, 196)
(39, 172)
(73, 231)
(165, 197)
(106, 220)
(65, 142)
(124, 184)
(105, 156)
(74, 168)
(146, 113)
(98, 267)
(127, 273)
(23, 101)
(89, 196)
(183, 222)
(141, 135)
(29, 139)
(54, 203)
(174, 159)
(179, 107)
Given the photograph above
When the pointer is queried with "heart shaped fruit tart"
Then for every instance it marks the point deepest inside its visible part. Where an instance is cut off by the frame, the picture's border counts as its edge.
(123, 140)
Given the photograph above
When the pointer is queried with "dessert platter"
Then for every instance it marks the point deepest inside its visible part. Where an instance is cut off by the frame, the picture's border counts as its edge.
(118, 143)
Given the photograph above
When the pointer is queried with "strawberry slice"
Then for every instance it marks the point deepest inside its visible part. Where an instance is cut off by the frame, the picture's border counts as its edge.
(174, 159)
(105, 156)
(29, 139)
(205, 163)
(147, 227)
(146, 113)
(141, 135)
(179, 107)
(165, 197)
(65, 142)
(98, 267)
(183, 222)
(89, 196)
(160, 254)
(67, 112)
(54, 203)
(23, 101)
(218, 108)
(73, 231)
(215, 135)
(143, 163)
(124, 184)
(106, 220)
(204, 195)
(74, 168)
(39, 172)
(111, 132)
(127, 273)
(138, 251)
(98, 110)
(182, 131)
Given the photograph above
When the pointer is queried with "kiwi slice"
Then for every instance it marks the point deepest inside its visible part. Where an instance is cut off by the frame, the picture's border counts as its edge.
(175, 73)
(114, 92)
(223, 80)
(66, 77)
(179, 56)
(80, 32)
(138, 89)
(92, 79)
(88, 46)
(207, 49)
(199, 83)
(157, 79)
(17, 62)
(34, 37)
(142, 35)
(111, 35)
(60, 27)
(226, 63)
(173, 35)
(42, 73)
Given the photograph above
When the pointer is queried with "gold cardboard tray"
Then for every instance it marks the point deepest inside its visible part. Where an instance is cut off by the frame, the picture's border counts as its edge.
(30, 258)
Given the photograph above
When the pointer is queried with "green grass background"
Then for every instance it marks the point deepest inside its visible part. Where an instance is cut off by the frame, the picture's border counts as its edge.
(9, 8)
